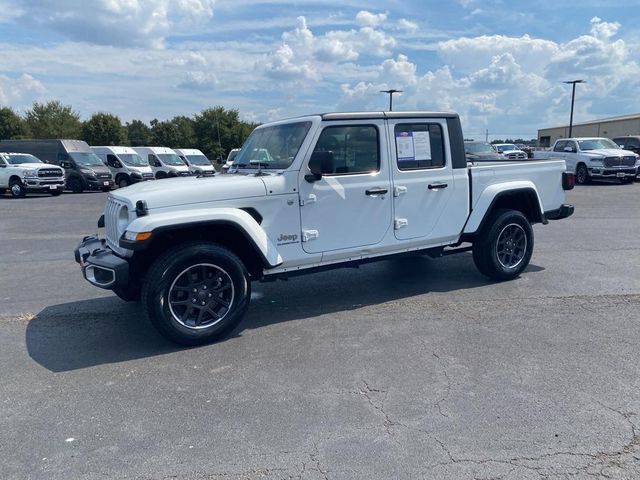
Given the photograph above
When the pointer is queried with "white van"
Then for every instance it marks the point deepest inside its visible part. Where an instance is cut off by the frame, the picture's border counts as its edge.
(198, 162)
(164, 162)
(230, 158)
(125, 164)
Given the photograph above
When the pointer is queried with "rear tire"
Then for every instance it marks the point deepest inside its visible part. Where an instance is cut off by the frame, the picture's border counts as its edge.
(582, 175)
(17, 189)
(196, 293)
(504, 246)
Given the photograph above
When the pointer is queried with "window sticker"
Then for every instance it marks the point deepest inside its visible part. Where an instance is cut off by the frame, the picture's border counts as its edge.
(413, 146)
(422, 145)
(405, 146)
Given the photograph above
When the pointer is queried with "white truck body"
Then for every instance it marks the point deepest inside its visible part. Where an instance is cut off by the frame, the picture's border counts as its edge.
(398, 183)
(21, 173)
(198, 162)
(126, 165)
(164, 162)
(593, 157)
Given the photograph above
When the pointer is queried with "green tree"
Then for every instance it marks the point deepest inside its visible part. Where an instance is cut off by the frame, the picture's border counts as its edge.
(11, 125)
(174, 133)
(53, 120)
(138, 133)
(104, 129)
(218, 130)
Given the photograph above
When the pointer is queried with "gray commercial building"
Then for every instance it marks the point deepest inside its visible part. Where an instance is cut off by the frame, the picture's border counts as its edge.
(606, 127)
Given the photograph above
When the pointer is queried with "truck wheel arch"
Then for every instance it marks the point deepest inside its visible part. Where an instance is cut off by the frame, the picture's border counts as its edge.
(234, 229)
(523, 199)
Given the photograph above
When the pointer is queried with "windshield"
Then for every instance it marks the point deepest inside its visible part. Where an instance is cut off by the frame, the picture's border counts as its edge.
(19, 159)
(479, 148)
(232, 155)
(506, 147)
(272, 147)
(170, 159)
(198, 160)
(86, 159)
(595, 143)
(133, 159)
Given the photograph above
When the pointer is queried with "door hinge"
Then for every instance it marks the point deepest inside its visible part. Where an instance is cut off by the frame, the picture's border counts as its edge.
(399, 223)
(310, 199)
(397, 191)
(308, 235)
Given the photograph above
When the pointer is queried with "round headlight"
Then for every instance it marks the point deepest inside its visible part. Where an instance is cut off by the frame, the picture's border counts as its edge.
(123, 219)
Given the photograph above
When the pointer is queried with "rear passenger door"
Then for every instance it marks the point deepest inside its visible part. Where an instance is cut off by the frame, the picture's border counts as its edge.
(423, 186)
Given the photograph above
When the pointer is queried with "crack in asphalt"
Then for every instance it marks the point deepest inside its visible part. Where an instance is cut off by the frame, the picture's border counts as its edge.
(447, 390)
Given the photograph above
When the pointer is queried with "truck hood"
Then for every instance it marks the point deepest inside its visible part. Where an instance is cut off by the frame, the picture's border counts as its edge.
(608, 152)
(37, 166)
(187, 190)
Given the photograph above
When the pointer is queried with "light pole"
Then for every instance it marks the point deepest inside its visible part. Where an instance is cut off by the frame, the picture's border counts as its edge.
(573, 98)
(391, 92)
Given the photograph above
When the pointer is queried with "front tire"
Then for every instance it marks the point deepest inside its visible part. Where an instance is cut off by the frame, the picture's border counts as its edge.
(196, 293)
(582, 175)
(17, 189)
(505, 245)
(123, 181)
(75, 185)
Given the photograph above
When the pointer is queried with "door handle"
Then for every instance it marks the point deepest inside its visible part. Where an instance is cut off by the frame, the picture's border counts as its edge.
(376, 191)
(437, 186)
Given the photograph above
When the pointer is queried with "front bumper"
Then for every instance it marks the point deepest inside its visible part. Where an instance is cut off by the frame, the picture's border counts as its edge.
(558, 214)
(99, 184)
(100, 266)
(613, 172)
(43, 185)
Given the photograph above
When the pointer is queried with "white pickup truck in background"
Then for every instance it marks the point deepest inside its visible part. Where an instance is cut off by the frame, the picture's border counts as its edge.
(594, 157)
(21, 173)
(309, 194)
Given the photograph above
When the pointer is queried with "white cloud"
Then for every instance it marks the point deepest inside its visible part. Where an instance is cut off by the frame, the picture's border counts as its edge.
(407, 25)
(198, 80)
(603, 30)
(15, 90)
(368, 19)
(117, 22)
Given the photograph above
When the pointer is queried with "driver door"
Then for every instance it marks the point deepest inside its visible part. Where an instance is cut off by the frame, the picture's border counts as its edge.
(350, 205)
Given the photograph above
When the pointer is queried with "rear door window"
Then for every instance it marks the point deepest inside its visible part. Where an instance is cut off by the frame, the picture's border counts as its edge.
(419, 146)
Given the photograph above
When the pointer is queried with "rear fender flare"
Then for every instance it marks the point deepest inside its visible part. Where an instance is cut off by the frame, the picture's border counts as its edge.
(490, 196)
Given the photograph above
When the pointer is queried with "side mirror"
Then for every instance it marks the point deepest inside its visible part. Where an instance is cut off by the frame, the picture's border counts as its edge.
(117, 164)
(320, 163)
(621, 146)
(568, 149)
(66, 164)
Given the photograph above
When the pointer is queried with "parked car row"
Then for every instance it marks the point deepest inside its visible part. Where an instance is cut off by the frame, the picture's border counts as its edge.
(53, 165)
(587, 158)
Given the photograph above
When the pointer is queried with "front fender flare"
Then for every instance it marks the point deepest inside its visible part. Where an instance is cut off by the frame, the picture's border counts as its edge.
(240, 219)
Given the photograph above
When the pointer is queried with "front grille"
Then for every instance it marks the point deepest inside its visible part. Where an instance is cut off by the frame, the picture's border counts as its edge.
(184, 174)
(516, 156)
(49, 172)
(105, 176)
(147, 175)
(627, 161)
(111, 214)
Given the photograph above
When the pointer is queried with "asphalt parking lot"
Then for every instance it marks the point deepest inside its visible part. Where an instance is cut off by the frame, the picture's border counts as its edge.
(412, 368)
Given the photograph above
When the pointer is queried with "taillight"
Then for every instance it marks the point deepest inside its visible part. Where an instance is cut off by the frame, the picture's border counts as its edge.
(568, 180)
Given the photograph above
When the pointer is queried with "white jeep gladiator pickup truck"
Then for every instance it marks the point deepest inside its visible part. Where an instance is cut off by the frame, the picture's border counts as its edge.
(593, 157)
(313, 193)
(21, 173)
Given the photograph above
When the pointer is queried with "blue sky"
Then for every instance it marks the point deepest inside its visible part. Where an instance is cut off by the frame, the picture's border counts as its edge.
(499, 64)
